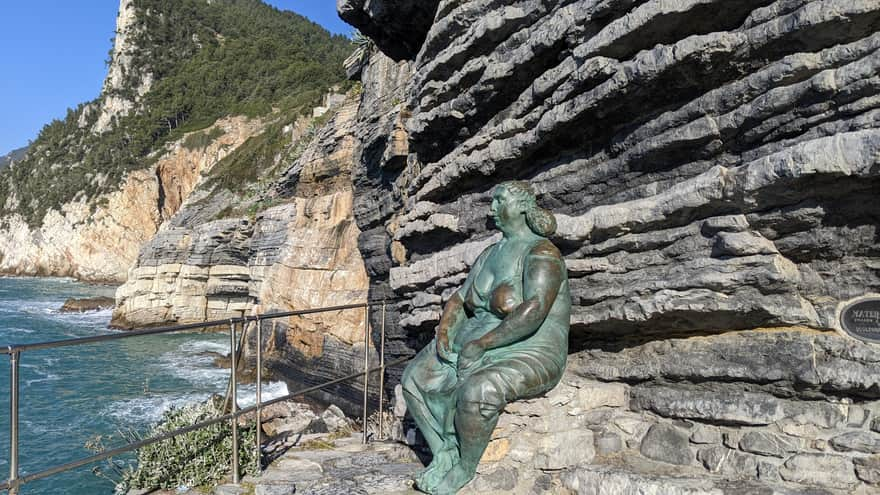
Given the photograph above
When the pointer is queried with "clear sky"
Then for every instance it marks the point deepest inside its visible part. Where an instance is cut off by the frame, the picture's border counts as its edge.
(52, 55)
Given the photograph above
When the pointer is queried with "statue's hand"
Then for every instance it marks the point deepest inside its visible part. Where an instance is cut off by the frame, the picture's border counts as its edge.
(470, 354)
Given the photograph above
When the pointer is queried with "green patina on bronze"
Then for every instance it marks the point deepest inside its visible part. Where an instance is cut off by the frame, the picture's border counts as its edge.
(503, 336)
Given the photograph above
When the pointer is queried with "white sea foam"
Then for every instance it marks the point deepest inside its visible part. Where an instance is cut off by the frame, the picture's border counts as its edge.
(43, 375)
(146, 410)
(46, 378)
(29, 306)
(142, 411)
(247, 395)
(192, 362)
(88, 319)
(202, 346)
(18, 330)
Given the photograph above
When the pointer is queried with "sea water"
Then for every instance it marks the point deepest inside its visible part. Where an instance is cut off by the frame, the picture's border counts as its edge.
(69, 396)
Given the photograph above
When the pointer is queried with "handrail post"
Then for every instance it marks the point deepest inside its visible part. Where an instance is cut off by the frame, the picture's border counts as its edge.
(381, 371)
(366, 364)
(14, 358)
(234, 397)
(259, 399)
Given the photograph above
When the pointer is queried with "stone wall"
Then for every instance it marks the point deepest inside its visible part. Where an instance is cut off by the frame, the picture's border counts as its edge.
(770, 411)
(713, 166)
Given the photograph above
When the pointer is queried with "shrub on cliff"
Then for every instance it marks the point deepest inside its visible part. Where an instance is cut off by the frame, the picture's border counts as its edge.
(198, 458)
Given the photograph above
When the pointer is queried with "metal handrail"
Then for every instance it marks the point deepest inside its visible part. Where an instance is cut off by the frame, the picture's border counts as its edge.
(11, 348)
(14, 352)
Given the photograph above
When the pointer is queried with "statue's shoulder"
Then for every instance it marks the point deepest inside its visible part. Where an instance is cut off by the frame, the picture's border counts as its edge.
(544, 248)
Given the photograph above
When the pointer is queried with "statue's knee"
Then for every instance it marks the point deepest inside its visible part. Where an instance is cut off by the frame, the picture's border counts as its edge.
(482, 399)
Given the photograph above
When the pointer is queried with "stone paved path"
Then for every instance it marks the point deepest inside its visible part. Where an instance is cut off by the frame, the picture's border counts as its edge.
(349, 468)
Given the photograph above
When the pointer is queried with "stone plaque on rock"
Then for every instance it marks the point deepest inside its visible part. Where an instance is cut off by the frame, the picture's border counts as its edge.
(860, 319)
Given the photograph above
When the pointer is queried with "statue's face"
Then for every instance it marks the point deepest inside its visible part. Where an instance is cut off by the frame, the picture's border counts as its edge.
(505, 209)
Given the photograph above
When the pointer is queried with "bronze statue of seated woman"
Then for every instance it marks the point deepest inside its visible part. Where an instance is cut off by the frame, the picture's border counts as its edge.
(503, 336)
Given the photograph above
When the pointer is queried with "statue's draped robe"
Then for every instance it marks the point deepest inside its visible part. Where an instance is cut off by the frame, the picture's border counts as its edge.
(524, 369)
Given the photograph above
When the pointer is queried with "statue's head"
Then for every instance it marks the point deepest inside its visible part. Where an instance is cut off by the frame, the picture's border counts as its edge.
(517, 198)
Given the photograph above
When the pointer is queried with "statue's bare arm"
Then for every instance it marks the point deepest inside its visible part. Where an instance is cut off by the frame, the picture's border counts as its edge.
(453, 315)
(453, 312)
(541, 283)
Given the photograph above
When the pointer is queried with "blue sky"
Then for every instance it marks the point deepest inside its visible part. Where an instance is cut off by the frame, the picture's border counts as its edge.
(52, 55)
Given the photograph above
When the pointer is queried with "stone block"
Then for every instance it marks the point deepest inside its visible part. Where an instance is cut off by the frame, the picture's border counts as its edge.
(275, 489)
(501, 479)
(229, 490)
(736, 408)
(668, 444)
(858, 441)
(856, 417)
(769, 444)
(496, 450)
(868, 469)
(729, 462)
(829, 470)
(596, 480)
(705, 434)
(608, 443)
(593, 395)
(768, 471)
(564, 449)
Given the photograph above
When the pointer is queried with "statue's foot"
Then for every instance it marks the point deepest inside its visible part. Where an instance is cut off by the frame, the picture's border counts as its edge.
(443, 461)
(454, 480)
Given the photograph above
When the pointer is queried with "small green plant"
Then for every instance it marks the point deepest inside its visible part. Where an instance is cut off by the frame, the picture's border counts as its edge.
(198, 458)
(360, 40)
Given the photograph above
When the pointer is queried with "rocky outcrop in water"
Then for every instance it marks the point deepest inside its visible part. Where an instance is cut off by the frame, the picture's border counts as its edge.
(79, 305)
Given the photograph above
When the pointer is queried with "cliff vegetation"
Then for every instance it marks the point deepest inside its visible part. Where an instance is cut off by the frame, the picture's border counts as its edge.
(203, 61)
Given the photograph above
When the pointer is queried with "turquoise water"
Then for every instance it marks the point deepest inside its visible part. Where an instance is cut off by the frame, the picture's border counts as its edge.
(71, 394)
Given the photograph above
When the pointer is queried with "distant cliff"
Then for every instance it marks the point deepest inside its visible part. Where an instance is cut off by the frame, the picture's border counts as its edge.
(188, 84)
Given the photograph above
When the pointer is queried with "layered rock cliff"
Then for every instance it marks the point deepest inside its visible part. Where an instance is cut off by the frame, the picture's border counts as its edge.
(126, 82)
(98, 239)
(292, 247)
(713, 167)
(188, 84)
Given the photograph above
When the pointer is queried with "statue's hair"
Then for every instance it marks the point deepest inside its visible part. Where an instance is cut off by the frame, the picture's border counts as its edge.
(540, 220)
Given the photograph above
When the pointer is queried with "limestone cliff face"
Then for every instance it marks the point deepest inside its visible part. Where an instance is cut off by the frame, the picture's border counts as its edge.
(77, 242)
(300, 253)
(99, 240)
(713, 166)
(118, 99)
(96, 184)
